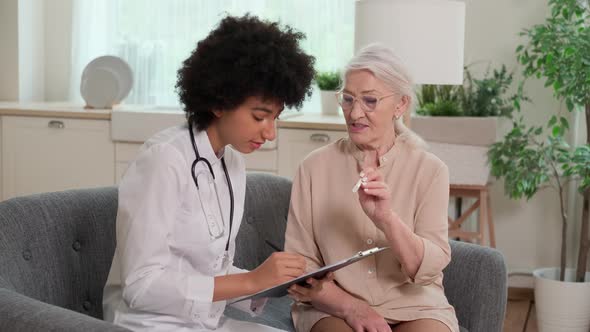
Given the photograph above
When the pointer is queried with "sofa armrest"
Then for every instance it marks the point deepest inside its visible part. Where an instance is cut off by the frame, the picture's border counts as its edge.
(476, 285)
(22, 313)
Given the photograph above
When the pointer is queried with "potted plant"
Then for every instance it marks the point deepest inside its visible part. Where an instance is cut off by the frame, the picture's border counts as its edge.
(329, 82)
(531, 157)
(475, 107)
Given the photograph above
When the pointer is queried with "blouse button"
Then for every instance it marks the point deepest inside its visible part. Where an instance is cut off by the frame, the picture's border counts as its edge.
(371, 270)
(369, 241)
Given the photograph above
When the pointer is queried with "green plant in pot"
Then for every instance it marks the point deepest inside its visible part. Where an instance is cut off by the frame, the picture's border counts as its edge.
(470, 113)
(476, 97)
(487, 96)
(532, 157)
(328, 82)
(439, 100)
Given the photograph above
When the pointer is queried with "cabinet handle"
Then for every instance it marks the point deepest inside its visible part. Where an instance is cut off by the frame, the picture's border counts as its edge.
(56, 124)
(319, 138)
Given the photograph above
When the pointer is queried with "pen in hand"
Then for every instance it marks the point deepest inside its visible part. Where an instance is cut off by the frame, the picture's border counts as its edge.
(275, 247)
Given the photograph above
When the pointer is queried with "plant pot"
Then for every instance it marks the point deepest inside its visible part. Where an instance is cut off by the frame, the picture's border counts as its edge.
(329, 103)
(479, 131)
(561, 305)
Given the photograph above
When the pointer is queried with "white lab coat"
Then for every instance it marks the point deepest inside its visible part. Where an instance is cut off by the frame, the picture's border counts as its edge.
(171, 237)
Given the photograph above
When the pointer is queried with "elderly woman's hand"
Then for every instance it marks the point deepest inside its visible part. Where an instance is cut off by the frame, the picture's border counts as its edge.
(362, 317)
(313, 293)
(375, 194)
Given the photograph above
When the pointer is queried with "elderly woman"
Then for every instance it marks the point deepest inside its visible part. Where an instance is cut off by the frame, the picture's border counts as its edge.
(401, 203)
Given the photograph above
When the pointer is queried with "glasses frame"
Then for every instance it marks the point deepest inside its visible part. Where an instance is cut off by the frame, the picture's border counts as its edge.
(363, 105)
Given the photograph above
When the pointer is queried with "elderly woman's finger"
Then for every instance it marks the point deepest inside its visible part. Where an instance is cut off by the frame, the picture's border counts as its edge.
(329, 277)
(378, 193)
(365, 171)
(372, 175)
(375, 185)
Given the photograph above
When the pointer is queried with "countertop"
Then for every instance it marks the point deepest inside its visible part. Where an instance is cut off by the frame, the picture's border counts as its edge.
(312, 121)
(294, 120)
(56, 110)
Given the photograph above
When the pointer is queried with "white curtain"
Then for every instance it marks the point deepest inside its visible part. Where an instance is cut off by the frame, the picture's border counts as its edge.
(155, 36)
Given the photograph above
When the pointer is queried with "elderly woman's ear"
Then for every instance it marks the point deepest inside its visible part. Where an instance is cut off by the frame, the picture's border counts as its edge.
(401, 107)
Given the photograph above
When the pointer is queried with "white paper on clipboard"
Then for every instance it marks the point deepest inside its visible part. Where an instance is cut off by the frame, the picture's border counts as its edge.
(281, 290)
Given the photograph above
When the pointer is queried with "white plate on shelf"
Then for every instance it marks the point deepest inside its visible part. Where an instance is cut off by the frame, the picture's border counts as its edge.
(100, 88)
(106, 81)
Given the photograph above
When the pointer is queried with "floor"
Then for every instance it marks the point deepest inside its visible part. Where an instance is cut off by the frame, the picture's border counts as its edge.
(520, 312)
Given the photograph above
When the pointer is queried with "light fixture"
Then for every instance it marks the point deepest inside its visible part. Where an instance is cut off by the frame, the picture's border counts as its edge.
(428, 35)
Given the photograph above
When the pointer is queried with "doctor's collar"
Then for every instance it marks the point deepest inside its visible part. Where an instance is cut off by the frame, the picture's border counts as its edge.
(205, 148)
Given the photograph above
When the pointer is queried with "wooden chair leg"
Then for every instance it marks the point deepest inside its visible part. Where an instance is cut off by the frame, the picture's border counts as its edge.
(482, 215)
(491, 223)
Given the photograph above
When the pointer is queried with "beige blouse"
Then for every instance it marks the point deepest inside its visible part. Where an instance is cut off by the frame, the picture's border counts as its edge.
(326, 224)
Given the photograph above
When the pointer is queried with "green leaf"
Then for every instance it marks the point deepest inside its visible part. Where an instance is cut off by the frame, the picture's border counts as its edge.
(552, 121)
(548, 82)
(549, 59)
(570, 104)
(564, 122)
(569, 51)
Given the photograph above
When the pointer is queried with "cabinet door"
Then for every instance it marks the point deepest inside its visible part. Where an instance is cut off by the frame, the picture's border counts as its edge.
(296, 144)
(263, 160)
(125, 153)
(45, 154)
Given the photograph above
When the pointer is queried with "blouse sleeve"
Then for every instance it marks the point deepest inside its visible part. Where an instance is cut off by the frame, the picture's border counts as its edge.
(299, 236)
(431, 224)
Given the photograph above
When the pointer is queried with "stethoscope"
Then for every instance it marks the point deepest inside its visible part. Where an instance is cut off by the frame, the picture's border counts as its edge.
(198, 158)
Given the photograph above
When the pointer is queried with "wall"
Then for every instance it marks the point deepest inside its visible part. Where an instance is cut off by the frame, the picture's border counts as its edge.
(9, 50)
(528, 233)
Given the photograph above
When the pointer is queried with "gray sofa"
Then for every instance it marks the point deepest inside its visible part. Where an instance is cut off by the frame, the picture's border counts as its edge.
(56, 249)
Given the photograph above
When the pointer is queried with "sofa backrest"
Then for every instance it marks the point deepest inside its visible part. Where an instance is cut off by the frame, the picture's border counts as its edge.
(57, 247)
(265, 218)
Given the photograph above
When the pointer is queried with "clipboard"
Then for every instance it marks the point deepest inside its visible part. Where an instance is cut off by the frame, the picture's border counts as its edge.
(281, 290)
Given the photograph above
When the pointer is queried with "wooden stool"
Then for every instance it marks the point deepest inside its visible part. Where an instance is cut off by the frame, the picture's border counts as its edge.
(480, 193)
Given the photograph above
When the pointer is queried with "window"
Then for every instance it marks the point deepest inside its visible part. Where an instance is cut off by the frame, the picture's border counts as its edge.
(155, 36)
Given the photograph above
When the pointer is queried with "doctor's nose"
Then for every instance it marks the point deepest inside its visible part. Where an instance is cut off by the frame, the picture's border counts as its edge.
(269, 132)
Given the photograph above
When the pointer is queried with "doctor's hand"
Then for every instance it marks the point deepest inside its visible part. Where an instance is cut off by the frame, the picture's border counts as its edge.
(280, 267)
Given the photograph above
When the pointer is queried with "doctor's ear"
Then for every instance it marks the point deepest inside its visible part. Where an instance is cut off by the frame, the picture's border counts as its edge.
(218, 113)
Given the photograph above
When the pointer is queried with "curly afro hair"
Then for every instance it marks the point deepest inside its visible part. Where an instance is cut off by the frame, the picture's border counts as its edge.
(241, 58)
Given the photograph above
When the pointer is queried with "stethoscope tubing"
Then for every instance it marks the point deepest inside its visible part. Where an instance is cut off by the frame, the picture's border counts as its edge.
(229, 185)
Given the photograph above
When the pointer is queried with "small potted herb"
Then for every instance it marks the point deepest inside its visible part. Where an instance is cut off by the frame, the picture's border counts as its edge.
(329, 82)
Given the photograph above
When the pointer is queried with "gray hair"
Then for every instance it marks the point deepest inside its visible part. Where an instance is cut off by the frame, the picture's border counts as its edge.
(390, 69)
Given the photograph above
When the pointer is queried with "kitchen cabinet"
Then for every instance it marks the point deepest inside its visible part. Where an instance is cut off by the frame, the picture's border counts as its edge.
(295, 144)
(41, 154)
(124, 154)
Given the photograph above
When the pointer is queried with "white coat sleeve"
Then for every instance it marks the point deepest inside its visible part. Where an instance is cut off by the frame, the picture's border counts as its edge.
(149, 198)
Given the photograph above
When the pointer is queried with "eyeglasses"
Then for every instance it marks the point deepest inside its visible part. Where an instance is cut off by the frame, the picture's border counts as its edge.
(368, 103)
